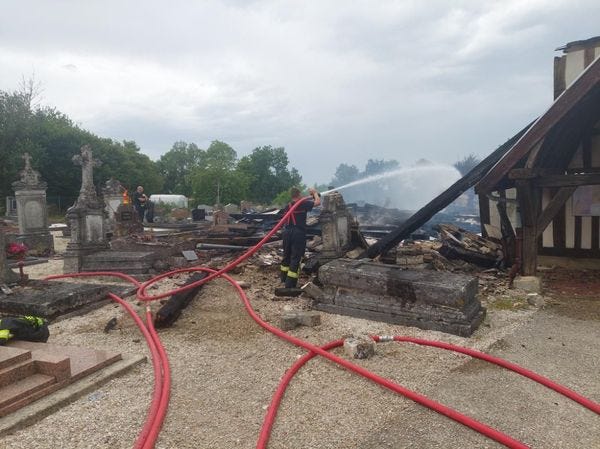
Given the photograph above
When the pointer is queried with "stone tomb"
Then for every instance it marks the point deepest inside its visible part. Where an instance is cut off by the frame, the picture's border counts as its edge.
(336, 222)
(128, 262)
(29, 371)
(112, 194)
(426, 299)
(85, 217)
(30, 194)
(50, 299)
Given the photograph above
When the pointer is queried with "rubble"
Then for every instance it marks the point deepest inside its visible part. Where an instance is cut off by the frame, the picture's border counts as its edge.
(359, 347)
(458, 243)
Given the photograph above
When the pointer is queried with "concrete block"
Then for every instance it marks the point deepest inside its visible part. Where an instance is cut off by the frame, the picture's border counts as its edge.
(309, 318)
(289, 321)
(532, 284)
(313, 291)
(359, 347)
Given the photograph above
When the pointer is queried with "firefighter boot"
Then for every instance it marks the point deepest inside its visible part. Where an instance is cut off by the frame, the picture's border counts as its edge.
(290, 282)
(283, 273)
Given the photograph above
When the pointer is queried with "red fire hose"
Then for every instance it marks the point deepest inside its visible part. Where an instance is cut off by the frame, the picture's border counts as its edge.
(159, 405)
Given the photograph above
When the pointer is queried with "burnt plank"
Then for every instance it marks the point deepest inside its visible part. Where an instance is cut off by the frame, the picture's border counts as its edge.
(581, 179)
(171, 310)
(484, 212)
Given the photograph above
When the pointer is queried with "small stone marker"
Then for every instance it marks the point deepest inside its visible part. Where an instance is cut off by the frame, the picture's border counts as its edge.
(532, 284)
(359, 347)
(290, 319)
(190, 256)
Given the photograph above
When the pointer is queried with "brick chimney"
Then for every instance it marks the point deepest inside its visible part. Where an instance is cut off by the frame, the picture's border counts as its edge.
(576, 57)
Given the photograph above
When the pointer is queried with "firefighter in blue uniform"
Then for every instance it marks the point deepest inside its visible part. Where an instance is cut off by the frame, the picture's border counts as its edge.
(294, 236)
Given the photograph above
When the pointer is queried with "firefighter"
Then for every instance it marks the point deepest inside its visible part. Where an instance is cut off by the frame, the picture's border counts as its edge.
(294, 236)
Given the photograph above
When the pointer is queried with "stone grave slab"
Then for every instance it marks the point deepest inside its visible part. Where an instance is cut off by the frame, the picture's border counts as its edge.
(426, 299)
(129, 262)
(50, 299)
(30, 371)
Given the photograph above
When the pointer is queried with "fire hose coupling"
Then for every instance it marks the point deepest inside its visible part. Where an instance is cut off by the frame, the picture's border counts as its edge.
(385, 338)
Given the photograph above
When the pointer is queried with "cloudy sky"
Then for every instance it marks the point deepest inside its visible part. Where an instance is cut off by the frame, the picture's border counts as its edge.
(331, 81)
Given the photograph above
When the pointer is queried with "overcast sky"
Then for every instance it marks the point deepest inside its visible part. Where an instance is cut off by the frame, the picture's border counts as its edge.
(331, 81)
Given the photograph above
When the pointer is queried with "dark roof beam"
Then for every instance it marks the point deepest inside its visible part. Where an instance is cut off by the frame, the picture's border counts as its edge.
(569, 180)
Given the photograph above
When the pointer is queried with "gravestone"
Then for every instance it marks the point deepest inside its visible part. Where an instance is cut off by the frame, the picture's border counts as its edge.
(220, 217)
(336, 223)
(30, 195)
(112, 193)
(85, 217)
(127, 221)
(7, 276)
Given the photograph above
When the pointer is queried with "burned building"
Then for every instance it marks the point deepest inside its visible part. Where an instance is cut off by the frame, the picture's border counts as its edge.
(546, 187)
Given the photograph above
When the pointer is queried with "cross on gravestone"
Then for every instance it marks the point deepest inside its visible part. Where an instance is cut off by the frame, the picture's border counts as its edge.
(27, 158)
(87, 163)
(29, 176)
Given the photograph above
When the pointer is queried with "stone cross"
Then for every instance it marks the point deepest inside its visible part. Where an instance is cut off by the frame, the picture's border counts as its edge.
(27, 158)
(87, 163)
(29, 177)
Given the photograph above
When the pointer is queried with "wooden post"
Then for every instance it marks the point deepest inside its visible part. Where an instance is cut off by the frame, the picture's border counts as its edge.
(529, 205)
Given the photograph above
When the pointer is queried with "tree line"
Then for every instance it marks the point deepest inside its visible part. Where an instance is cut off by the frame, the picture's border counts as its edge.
(205, 175)
(214, 174)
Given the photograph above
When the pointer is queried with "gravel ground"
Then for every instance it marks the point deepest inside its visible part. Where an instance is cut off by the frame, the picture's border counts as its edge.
(225, 369)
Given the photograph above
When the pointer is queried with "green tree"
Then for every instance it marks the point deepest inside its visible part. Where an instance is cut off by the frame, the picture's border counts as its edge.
(345, 174)
(375, 166)
(466, 164)
(177, 165)
(267, 169)
(217, 180)
(52, 139)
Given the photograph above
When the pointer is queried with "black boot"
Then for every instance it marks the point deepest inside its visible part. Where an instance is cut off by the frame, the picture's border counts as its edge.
(291, 282)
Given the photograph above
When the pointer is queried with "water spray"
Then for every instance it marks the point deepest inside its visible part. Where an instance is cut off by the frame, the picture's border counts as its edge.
(408, 172)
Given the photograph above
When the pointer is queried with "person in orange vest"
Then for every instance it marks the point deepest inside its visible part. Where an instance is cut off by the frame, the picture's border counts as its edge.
(294, 236)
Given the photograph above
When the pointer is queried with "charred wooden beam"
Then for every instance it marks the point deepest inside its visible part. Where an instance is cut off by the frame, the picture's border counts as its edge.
(575, 180)
(171, 310)
(424, 214)
(528, 198)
